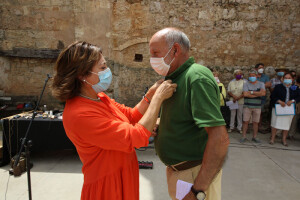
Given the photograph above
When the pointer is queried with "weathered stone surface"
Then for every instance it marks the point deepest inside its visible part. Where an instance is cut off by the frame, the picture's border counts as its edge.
(228, 34)
(1, 34)
(238, 26)
(30, 53)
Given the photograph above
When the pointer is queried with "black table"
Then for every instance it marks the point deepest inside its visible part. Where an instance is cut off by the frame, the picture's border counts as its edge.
(46, 134)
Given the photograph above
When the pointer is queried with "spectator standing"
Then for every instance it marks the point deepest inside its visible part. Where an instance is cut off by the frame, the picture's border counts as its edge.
(285, 96)
(295, 122)
(235, 91)
(280, 71)
(221, 87)
(253, 90)
(262, 77)
(294, 76)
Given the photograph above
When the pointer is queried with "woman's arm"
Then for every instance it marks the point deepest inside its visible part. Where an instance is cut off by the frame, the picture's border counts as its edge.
(135, 114)
(96, 128)
(164, 91)
(275, 96)
(143, 105)
(224, 91)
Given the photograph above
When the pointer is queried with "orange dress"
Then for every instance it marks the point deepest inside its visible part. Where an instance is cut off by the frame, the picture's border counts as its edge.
(105, 134)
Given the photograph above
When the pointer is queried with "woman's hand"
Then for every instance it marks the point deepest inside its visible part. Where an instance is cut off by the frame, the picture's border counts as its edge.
(282, 103)
(155, 86)
(165, 90)
(289, 103)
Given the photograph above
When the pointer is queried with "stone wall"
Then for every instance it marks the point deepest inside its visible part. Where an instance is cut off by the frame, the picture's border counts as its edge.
(225, 35)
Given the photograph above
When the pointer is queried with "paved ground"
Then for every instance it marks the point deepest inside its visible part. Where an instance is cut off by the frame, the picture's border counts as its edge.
(261, 172)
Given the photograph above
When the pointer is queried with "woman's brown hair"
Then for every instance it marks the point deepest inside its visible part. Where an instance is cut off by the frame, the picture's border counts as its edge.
(76, 60)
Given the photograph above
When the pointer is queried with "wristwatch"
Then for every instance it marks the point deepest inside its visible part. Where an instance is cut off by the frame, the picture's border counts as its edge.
(199, 194)
(251, 92)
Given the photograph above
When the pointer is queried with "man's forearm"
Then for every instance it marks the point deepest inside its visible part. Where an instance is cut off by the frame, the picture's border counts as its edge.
(232, 95)
(241, 96)
(260, 93)
(214, 156)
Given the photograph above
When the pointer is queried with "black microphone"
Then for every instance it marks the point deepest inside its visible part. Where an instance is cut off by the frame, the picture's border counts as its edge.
(49, 76)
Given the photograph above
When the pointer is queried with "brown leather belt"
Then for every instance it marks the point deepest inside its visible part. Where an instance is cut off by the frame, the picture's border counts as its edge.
(185, 165)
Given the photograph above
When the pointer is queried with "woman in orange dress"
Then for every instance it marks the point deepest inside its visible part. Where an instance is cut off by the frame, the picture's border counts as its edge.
(103, 131)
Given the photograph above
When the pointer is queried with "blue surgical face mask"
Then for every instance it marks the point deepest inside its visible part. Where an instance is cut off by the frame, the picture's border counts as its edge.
(280, 73)
(287, 81)
(105, 78)
(252, 79)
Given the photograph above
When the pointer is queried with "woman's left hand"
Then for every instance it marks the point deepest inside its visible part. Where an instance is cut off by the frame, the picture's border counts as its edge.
(155, 86)
(289, 103)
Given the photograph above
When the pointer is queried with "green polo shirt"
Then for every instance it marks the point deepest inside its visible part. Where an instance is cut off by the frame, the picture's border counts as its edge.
(194, 105)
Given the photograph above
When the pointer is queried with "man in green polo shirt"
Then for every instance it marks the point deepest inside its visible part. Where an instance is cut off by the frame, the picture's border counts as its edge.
(192, 140)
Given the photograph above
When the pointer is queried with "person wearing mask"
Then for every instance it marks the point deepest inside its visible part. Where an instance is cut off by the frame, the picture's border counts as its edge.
(280, 71)
(221, 87)
(253, 90)
(104, 132)
(262, 77)
(192, 140)
(284, 95)
(294, 76)
(235, 91)
(295, 122)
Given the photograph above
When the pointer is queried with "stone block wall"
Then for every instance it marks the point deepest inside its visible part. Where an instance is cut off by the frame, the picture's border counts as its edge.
(225, 35)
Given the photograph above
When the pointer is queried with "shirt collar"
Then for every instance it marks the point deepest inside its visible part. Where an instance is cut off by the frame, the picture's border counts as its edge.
(181, 69)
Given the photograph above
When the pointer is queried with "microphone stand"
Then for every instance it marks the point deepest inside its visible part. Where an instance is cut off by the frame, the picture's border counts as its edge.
(27, 144)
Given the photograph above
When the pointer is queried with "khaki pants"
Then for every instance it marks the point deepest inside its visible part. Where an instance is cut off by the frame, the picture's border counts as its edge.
(189, 175)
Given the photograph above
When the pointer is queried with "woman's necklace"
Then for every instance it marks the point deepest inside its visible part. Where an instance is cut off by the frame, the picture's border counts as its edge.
(98, 99)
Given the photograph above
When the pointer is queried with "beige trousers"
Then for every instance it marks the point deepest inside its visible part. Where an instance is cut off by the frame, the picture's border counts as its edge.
(189, 175)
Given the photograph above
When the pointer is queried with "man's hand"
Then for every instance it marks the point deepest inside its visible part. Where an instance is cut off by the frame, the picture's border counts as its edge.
(190, 196)
(154, 132)
(235, 98)
(155, 129)
(247, 93)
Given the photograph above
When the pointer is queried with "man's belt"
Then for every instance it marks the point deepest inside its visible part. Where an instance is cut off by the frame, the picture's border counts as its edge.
(185, 165)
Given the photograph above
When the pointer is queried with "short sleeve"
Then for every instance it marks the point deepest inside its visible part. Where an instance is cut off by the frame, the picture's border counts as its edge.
(205, 103)
(262, 86)
(229, 86)
(245, 87)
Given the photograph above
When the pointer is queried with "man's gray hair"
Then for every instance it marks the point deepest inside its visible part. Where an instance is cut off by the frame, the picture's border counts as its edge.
(237, 71)
(179, 37)
(253, 71)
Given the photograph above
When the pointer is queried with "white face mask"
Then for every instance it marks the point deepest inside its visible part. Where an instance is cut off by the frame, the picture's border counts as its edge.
(261, 70)
(159, 65)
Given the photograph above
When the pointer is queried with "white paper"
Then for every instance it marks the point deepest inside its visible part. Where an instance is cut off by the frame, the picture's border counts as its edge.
(231, 105)
(182, 188)
(286, 110)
